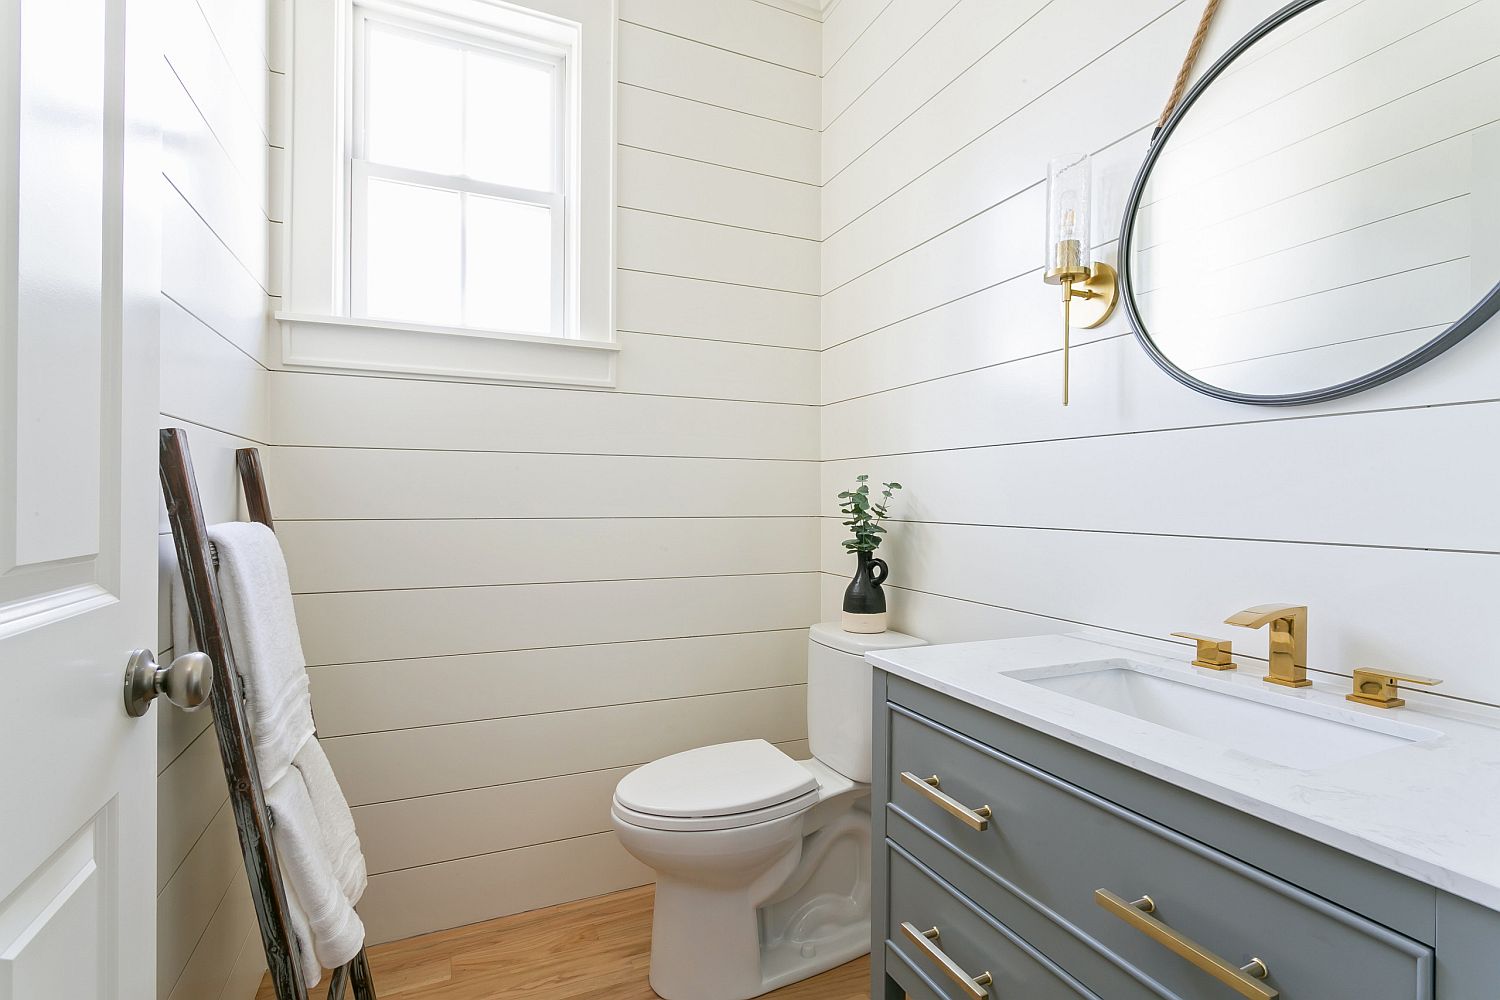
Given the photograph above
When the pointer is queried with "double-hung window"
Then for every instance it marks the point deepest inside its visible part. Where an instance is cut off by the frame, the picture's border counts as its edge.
(458, 201)
(449, 207)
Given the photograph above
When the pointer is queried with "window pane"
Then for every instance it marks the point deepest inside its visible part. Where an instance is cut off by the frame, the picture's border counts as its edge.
(509, 121)
(414, 101)
(412, 238)
(509, 266)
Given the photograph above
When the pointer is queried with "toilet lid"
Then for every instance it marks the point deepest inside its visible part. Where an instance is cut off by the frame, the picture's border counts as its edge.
(721, 780)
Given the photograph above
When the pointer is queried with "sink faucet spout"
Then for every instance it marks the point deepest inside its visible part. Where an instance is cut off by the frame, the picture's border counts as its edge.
(1288, 640)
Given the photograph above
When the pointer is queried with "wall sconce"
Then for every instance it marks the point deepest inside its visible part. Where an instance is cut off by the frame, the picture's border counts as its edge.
(1089, 288)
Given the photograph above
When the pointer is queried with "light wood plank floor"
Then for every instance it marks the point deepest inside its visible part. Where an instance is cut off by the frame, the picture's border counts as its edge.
(595, 948)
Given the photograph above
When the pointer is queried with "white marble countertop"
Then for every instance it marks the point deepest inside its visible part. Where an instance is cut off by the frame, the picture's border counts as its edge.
(1428, 809)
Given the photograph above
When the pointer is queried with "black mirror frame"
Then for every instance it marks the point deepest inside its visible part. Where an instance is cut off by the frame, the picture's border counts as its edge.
(1476, 317)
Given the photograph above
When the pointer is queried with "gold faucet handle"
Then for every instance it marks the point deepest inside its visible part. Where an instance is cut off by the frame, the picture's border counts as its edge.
(1382, 688)
(1213, 654)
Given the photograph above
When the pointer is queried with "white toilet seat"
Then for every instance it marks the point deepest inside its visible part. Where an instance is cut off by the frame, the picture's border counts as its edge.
(734, 821)
(719, 787)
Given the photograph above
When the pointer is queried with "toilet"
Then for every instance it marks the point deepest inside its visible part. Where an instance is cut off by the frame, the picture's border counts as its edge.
(763, 862)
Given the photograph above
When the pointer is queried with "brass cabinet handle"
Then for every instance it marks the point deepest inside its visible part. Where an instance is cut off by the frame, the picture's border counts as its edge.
(978, 819)
(977, 987)
(1243, 979)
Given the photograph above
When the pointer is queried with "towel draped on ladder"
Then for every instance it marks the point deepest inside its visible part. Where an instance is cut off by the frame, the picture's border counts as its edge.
(322, 865)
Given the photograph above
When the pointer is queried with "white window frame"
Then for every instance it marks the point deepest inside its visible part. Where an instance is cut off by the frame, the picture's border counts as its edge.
(361, 168)
(322, 324)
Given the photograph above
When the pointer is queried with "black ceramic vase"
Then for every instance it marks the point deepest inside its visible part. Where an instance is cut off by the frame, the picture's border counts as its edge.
(864, 601)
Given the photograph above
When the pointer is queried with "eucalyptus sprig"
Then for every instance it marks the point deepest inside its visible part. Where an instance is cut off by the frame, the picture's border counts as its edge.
(865, 513)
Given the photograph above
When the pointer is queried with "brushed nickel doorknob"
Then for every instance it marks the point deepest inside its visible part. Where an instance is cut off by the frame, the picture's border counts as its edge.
(185, 682)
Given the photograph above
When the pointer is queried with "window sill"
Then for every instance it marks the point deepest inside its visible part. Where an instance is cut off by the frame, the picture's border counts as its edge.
(342, 343)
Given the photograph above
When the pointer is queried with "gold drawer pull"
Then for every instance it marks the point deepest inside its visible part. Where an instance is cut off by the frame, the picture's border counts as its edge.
(978, 819)
(1244, 979)
(927, 941)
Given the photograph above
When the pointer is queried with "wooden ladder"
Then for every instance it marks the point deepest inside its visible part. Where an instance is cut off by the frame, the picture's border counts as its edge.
(197, 562)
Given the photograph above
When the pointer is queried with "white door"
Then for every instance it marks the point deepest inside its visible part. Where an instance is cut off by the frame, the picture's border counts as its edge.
(79, 183)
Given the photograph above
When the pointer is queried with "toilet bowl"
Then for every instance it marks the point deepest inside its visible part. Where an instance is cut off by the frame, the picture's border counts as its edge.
(762, 861)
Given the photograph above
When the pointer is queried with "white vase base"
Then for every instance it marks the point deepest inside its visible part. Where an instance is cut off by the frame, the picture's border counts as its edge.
(863, 624)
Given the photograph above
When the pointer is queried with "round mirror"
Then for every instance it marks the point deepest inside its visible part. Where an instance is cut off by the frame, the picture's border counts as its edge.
(1322, 212)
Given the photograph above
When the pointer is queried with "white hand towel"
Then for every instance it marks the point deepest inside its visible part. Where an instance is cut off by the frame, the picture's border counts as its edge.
(257, 598)
(336, 823)
(322, 865)
(329, 932)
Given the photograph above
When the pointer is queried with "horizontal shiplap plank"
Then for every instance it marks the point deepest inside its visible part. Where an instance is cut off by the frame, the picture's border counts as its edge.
(926, 70)
(209, 968)
(673, 185)
(1407, 610)
(195, 58)
(405, 554)
(716, 369)
(372, 697)
(435, 828)
(208, 380)
(1116, 390)
(897, 27)
(243, 32)
(1407, 492)
(189, 793)
(248, 969)
(687, 248)
(668, 124)
(380, 767)
(844, 23)
(712, 310)
(200, 274)
(199, 168)
(344, 628)
(361, 412)
(905, 125)
(661, 61)
(742, 26)
(963, 260)
(193, 894)
(317, 483)
(453, 825)
(418, 900)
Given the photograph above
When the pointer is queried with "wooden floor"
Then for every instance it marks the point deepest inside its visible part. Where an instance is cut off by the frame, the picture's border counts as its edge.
(591, 949)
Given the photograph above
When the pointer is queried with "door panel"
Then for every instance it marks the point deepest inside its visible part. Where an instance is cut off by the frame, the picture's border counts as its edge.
(79, 304)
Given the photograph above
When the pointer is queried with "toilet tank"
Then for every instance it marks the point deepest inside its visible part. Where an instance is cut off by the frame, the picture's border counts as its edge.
(839, 695)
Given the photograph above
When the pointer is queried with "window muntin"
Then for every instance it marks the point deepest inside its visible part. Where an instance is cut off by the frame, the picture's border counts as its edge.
(458, 174)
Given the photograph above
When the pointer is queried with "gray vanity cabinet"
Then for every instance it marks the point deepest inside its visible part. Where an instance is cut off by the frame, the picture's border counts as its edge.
(1042, 899)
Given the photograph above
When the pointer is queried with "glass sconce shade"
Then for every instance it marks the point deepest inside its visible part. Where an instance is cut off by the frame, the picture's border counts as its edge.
(1069, 254)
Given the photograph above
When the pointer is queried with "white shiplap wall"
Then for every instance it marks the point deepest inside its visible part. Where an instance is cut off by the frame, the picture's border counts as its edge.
(1143, 508)
(510, 595)
(220, 148)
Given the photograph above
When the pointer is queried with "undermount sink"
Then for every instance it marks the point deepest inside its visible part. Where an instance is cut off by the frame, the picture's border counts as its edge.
(1269, 725)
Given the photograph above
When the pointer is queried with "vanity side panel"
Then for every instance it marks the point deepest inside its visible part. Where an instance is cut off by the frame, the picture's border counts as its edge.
(1399, 903)
(881, 987)
(1468, 955)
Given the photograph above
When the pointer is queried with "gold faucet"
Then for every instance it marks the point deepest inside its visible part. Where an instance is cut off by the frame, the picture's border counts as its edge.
(1288, 640)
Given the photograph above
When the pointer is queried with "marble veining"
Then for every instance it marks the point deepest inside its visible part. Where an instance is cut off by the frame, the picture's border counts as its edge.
(1424, 801)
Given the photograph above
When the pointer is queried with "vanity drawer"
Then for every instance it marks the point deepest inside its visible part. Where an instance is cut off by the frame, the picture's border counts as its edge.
(1049, 847)
(969, 943)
